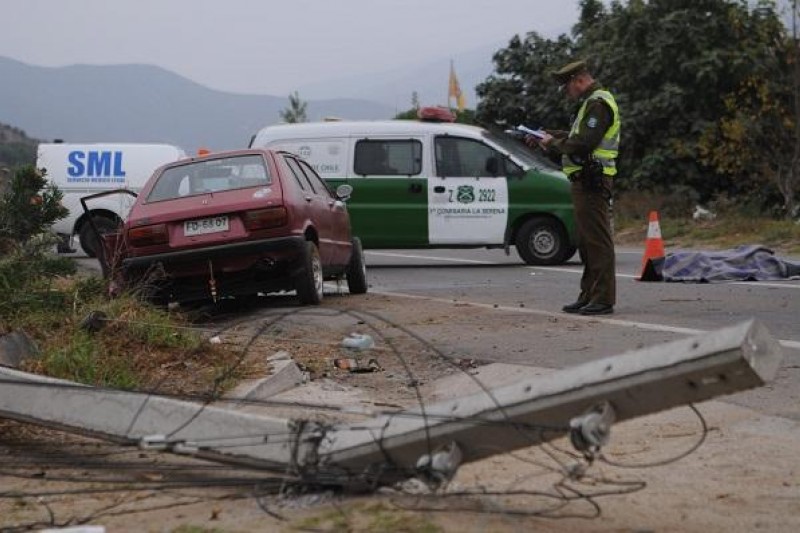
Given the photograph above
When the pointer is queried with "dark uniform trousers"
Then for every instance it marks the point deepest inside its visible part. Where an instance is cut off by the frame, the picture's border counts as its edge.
(595, 242)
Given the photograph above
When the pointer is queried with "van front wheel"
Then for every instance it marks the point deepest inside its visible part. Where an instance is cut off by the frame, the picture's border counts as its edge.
(543, 241)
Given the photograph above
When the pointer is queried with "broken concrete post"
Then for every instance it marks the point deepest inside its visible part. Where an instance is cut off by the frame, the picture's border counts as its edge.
(539, 409)
(390, 448)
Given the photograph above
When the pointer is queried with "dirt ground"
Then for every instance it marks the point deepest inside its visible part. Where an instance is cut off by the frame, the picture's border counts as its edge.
(744, 477)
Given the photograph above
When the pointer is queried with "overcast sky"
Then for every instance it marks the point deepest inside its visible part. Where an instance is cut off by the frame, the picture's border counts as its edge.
(267, 46)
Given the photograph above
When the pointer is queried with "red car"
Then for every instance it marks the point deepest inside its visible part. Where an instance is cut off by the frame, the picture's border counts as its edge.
(238, 223)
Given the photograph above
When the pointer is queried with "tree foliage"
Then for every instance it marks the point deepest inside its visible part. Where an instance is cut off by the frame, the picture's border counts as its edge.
(704, 89)
(29, 205)
(296, 112)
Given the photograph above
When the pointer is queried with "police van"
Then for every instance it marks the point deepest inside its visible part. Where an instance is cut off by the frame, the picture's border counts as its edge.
(79, 170)
(438, 185)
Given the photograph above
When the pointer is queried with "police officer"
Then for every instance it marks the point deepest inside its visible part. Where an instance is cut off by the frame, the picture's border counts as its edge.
(588, 155)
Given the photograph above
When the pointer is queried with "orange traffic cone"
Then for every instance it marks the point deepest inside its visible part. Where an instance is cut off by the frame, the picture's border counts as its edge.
(653, 258)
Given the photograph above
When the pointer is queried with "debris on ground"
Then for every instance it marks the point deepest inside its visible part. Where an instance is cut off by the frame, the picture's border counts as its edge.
(94, 322)
(358, 342)
(355, 365)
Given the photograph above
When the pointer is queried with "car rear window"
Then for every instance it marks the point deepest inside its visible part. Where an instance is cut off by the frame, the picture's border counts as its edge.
(210, 175)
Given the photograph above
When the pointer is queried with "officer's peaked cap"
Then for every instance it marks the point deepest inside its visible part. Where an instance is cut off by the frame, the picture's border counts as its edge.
(569, 71)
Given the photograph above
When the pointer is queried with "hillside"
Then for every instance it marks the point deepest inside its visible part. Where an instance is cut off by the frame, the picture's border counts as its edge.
(16, 148)
(139, 103)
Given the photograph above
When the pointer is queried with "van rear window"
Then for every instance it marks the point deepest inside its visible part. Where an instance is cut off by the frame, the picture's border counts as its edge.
(391, 157)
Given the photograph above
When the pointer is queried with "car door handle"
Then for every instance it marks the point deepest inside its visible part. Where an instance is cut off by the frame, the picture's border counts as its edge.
(415, 188)
(439, 189)
(308, 199)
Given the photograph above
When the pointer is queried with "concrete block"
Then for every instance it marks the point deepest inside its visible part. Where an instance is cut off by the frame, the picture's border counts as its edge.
(15, 348)
(285, 375)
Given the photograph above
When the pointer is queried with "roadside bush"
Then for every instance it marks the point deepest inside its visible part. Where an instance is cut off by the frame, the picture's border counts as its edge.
(28, 207)
(636, 205)
(27, 280)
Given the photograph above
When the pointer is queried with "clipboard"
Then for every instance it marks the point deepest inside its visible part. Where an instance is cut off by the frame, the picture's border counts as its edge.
(539, 134)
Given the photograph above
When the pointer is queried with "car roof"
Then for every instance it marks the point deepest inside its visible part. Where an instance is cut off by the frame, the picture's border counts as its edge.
(345, 128)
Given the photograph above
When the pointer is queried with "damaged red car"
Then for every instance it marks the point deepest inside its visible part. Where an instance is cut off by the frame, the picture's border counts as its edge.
(237, 223)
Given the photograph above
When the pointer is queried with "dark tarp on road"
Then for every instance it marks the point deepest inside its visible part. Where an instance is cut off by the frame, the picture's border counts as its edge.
(743, 263)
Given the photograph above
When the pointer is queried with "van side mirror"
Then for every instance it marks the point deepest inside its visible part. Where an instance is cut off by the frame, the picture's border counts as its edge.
(344, 191)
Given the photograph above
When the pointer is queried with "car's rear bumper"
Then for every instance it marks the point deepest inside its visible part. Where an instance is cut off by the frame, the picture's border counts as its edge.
(292, 245)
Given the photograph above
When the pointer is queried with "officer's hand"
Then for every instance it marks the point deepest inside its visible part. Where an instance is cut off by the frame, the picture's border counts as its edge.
(545, 141)
(531, 141)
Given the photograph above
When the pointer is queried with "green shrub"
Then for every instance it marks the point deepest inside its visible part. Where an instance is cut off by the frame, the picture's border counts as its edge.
(28, 207)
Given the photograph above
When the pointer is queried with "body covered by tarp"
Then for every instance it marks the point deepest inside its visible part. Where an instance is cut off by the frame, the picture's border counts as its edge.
(743, 263)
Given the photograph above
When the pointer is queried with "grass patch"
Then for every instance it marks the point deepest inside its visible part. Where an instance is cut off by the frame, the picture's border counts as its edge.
(367, 518)
(196, 529)
(79, 359)
(138, 346)
(725, 231)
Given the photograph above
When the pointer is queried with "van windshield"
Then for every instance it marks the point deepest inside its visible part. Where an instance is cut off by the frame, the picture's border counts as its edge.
(520, 150)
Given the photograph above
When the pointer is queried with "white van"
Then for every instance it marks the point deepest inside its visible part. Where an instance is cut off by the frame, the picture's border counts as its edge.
(438, 185)
(80, 170)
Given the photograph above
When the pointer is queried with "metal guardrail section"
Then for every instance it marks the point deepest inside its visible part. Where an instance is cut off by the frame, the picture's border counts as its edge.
(388, 448)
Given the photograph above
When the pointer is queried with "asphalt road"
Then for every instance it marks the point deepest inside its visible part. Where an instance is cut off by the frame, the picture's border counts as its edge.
(646, 313)
(515, 312)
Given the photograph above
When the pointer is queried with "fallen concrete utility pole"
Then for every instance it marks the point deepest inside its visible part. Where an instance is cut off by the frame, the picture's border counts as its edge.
(400, 445)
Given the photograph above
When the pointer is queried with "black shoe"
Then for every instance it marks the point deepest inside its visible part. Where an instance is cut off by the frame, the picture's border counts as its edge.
(574, 307)
(597, 309)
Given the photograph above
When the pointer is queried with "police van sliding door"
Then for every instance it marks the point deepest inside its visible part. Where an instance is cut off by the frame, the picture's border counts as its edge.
(468, 197)
(389, 202)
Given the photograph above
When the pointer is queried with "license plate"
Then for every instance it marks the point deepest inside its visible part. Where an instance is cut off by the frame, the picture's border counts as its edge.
(201, 226)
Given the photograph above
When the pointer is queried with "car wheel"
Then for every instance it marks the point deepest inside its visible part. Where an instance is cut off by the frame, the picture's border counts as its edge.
(357, 269)
(543, 241)
(89, 240)
(308, 282)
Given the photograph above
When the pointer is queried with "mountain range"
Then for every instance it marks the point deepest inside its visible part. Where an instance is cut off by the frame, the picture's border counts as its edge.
(140, 103)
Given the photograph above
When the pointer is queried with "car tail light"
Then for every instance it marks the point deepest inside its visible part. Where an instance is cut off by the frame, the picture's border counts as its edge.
(272, 217)
(148, 235)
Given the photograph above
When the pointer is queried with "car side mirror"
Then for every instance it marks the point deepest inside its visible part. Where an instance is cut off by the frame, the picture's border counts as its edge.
(513, 170)
(344, 191)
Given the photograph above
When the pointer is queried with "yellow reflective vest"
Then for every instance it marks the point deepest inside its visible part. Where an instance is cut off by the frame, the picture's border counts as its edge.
(608, 149)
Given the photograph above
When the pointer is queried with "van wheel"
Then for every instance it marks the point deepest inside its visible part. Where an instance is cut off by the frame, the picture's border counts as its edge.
(89, 240)
(357, 269)
(308, 282)
(543, 241)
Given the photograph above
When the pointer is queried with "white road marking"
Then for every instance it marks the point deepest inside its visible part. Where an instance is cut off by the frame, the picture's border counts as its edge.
(776, 284)
(541, 312)
(788, 285)
(434, 258)
(562, 269)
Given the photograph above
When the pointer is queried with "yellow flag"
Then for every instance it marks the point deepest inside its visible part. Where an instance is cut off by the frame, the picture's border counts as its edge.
(454, 90)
